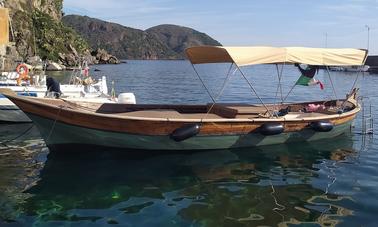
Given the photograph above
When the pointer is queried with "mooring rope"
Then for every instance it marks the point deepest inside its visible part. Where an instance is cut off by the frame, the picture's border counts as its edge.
(278, 207)
(53, 126)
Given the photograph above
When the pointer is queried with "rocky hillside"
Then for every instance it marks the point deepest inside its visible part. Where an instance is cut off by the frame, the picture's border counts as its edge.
(160, 42)
(121, 41)
(178, 38)
(38, 31)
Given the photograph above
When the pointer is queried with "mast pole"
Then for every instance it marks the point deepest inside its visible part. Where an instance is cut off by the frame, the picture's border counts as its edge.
(368, 37)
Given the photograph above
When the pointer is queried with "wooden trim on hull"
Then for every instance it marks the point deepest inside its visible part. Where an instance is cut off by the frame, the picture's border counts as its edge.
(158, 126)
(58, 134)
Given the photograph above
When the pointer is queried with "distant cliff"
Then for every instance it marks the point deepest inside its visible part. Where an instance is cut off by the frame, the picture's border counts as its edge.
(160, 42)
(178, 38)
(121, 41)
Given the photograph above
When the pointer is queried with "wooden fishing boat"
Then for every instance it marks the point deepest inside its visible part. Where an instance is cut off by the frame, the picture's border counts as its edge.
(197, 127)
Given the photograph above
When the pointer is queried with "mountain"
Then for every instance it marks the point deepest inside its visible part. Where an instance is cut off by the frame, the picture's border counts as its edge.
(179, 38)
(160, 42)
(121, 41)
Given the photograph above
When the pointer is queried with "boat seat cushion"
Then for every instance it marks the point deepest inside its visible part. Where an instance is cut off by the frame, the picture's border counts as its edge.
(237, 111)
(223, 111)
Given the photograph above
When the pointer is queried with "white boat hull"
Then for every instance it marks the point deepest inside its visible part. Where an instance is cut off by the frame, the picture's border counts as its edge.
(10, 113)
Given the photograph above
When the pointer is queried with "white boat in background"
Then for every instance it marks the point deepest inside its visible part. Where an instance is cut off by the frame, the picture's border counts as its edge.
(80, 88)
(37, 86)
(364, 68)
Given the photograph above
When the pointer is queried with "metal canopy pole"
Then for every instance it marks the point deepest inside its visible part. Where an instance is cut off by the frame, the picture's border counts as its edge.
(279, 87)
(292, 88)
(330, 79)
(358, 73)
(225, 82)
(353, 86)
(222, 89)
(253, 89)
(199, 77)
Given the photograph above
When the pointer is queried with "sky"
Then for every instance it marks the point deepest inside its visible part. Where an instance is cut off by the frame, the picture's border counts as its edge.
(321, 23)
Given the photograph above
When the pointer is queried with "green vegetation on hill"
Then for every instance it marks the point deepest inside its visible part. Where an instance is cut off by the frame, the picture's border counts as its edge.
(38, 30)
(53, 37)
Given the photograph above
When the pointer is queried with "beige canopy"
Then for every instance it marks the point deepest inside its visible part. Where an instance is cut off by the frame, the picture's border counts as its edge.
(4, 26)
(243, 56)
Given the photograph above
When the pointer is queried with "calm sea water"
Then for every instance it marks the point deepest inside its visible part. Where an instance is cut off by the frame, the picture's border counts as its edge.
(331, 182)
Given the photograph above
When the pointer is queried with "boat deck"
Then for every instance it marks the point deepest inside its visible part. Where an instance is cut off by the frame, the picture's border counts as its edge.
(170, 114)
(209, 111)
(245, 113)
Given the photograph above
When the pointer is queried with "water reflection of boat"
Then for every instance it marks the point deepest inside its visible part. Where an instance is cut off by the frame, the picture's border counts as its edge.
(21, 159)
(201, 127)
(219, 187)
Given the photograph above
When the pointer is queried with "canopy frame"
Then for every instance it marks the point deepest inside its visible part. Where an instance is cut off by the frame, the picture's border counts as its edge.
(244, 56)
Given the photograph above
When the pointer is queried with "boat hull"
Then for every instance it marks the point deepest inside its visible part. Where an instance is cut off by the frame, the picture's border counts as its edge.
(58, 134)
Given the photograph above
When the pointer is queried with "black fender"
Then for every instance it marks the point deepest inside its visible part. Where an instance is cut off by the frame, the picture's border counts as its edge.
(321, 126)
(271, 128)
(185, 132)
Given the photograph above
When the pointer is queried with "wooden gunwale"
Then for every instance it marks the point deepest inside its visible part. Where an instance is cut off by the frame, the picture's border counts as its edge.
(160, 126)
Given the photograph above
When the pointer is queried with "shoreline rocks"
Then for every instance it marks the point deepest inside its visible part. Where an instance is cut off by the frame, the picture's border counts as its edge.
(103, 57)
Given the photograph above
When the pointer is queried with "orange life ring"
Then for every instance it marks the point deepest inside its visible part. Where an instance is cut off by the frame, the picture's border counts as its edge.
(23, 71)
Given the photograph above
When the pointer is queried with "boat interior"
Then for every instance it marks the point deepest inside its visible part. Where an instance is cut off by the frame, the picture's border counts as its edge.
(216, 111)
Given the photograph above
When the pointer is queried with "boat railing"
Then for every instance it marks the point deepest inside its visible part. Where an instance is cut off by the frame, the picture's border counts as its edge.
(367, 120)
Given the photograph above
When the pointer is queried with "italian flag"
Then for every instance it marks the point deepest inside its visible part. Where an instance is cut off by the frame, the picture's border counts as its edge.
(307, 80)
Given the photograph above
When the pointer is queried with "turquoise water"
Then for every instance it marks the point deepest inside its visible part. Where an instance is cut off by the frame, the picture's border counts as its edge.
(330, 182)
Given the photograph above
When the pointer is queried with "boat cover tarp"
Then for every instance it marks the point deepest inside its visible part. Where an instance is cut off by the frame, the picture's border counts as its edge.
(243, 56)
(4, 26)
